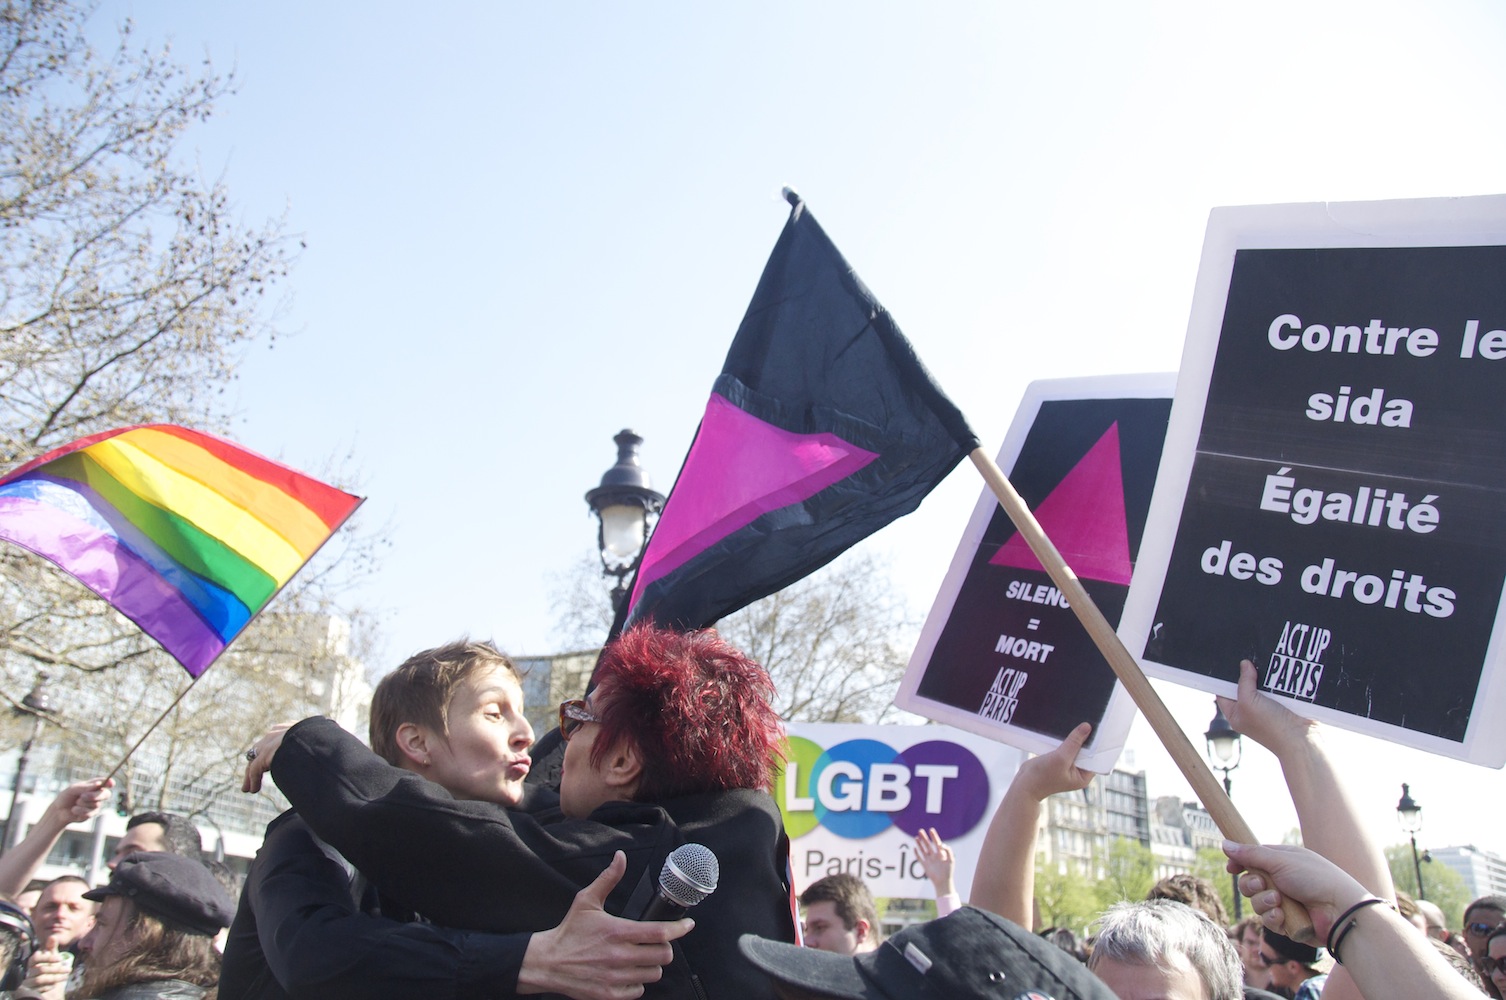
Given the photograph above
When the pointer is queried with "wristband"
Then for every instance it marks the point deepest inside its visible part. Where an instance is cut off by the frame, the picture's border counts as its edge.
(1342, 930)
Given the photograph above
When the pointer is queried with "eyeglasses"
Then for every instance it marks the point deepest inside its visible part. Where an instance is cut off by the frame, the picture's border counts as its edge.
(1480, 928)
(1270, 960)
(1490, 965)
(574, 714)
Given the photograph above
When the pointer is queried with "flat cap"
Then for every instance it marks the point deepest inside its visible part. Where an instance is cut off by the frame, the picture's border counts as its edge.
(179, 891)
(968, 955)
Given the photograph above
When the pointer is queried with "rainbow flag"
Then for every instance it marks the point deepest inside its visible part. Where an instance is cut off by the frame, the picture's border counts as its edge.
(186, 535)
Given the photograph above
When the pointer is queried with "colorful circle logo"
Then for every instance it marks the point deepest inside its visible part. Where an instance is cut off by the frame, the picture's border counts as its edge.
(859, 788)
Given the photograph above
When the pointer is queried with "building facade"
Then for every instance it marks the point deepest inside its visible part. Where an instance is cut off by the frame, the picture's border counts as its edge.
(1483, 871)
(549, 680)
(183, 772)
(1178, 831)
(1078, 827)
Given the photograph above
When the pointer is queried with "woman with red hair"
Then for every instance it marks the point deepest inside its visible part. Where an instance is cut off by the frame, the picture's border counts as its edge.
(676, 744)
(673, 714)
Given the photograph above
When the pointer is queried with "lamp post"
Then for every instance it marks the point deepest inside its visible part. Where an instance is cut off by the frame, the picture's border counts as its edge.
(1224, 749)
(1409, 815)
(625, 508)
(37, 705)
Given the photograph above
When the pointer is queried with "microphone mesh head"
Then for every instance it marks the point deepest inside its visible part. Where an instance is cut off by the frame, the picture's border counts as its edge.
(689, 874)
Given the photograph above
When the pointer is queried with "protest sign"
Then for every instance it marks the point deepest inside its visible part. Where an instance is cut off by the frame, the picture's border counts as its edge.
(1332, 497)
(1002, 654)
(854, 797)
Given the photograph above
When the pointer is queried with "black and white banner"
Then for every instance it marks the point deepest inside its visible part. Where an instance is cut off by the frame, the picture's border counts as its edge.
(1002, 654)
(1332, 497)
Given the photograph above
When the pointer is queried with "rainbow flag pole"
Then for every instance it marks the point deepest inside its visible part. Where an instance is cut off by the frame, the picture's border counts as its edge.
(187, 535)
(150, 729)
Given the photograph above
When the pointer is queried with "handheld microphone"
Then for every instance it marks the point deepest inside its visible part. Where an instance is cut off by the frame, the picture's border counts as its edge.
(689, 875)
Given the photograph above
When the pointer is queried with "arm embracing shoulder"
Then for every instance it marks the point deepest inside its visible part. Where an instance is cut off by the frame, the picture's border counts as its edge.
(464, 864)
(317, 944)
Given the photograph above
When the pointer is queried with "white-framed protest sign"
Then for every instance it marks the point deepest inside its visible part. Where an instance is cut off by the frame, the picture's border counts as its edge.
(854, 797)
(1001, 653)
(1332, 496)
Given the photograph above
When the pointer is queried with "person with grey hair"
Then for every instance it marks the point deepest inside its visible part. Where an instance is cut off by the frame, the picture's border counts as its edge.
(1166, 949)
(1004, 883)
(1159, 948)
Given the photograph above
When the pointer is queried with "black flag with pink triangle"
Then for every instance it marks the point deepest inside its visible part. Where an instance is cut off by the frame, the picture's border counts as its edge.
(822, 428)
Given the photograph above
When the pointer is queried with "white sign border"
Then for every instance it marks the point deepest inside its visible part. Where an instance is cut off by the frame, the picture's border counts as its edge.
(1112, 731)
(1424, 222)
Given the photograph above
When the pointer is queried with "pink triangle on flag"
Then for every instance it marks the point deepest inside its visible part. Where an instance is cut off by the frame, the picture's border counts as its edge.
(739, 468)
(1084, 517)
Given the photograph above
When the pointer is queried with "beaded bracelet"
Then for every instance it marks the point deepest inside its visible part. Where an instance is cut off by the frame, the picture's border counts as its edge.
(1333, 944)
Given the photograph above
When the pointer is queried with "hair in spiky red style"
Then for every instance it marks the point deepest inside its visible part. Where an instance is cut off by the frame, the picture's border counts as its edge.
(696, 707)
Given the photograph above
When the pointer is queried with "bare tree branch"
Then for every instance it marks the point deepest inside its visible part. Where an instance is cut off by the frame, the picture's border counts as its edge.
(835, 643)
(129, 288)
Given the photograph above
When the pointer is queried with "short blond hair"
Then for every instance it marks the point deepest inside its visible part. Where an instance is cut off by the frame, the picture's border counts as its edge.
(419, 691)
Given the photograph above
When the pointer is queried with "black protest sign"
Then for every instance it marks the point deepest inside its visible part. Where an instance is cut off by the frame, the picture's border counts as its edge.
(1343, 521)
(1002, 654)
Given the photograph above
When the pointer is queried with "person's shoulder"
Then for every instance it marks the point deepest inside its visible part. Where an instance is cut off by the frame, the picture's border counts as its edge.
(1312, 988)
(740, 813)
(729, 802)
(287, 832)
(619, 814)
(315, 726)
(1255, 993)
(287, 821)
(538, 800)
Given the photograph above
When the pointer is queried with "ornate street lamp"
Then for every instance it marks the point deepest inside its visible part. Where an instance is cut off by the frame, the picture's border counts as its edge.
(38, 706)
(1409, 815)
(1224, 750)
(626, 509)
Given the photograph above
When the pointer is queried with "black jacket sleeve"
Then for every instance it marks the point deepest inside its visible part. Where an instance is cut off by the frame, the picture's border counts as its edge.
(478, 865)
(299, 934)
(459, 863)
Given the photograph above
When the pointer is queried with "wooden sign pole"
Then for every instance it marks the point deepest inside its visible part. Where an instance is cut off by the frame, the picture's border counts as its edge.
(1194, 768)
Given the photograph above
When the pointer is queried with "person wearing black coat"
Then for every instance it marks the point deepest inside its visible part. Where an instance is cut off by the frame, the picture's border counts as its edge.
(481, 867)
(310, 927)
(675, 745)
(325, 937)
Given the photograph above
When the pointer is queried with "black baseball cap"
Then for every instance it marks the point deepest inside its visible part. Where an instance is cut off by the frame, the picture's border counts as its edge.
(179, 891)
(1295, 951)
(967, 955)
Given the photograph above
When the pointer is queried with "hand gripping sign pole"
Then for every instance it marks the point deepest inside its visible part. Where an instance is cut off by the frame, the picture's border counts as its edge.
(1298, 924)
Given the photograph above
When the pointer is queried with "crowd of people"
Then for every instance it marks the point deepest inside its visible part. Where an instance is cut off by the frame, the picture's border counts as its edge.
(427, 865)
(1178, 943)
(152, 930)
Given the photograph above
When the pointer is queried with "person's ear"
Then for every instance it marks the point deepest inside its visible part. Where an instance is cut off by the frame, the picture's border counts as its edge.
(414, 743)
(860, 930)
(624, 767)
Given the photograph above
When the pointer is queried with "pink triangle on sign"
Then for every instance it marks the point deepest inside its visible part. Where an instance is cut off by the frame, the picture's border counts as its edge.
(1084, 517)
(739, 468)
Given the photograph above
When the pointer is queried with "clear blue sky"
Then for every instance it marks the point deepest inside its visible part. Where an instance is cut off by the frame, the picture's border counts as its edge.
(530, 225)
